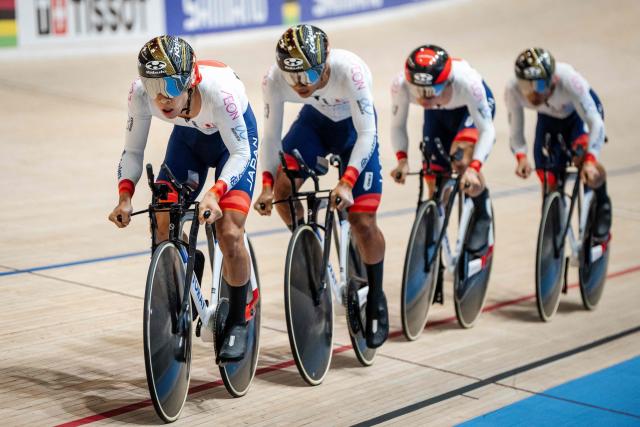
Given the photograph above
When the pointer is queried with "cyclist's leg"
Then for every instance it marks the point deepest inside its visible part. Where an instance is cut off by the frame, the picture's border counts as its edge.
(437, 134)
(554, 159)
(580, 136)
(466, 139)
(236, 270)
(364, 227)
(303, 136)
(182, 160)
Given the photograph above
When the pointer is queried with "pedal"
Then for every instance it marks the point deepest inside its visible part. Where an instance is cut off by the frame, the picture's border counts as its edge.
(354, 319)
(198, 327)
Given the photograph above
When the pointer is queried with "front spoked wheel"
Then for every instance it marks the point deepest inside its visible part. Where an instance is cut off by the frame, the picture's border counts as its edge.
(420, 271)
(356, 305)
(550, 257)
(237, 376)
(471, 279)
(308, 306)
(167, 354)
(594, 262)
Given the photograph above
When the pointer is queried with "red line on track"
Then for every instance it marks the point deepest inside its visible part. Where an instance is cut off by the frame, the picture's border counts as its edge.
(287, 363)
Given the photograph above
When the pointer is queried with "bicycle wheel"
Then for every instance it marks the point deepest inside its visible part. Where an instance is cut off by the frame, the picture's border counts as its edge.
(471, 279)
(237, 376)
(594, 262)
(356, 279)
(308, 307)
(550, 257)
(167, 373)
(419, 278)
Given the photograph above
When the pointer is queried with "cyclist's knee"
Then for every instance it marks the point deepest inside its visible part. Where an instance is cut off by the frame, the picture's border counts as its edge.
(363, 224)
(231, 238)
(282, 186)
(162, 230)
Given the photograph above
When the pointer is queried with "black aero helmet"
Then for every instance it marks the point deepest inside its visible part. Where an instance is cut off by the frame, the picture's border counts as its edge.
(167, 65)
(302, 48)
(535, 63)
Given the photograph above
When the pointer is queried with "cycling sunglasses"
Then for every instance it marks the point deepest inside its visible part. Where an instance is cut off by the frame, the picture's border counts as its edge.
(168, 86)
(304, 78)
(539, 86)
(427, 91)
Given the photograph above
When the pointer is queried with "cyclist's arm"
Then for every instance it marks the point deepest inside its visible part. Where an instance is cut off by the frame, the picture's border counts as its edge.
(233, 131)
(137, 131)
(272, 134)
(587, 109)
(399, 114)
(364, 122)
(515, 112)
(480, 111)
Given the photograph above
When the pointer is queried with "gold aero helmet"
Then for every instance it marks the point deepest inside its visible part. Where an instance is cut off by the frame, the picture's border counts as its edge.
(167, 66)
(301, 53)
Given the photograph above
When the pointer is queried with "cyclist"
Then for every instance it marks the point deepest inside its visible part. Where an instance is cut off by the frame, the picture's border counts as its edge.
(566, 105)
(458, 113)
(214, 126)
(338, 117)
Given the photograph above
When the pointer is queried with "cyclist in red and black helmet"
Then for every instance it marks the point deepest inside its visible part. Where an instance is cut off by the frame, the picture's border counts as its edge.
(458, 112)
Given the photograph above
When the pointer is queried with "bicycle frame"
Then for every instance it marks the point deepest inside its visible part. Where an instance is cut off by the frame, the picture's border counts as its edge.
(180, 214)
(337, 284)
(580, 196)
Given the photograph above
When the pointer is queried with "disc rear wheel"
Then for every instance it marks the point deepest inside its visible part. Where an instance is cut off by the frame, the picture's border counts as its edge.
(594, 262)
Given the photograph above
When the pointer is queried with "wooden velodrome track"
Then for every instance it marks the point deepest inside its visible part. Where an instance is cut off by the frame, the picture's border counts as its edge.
(70, 337)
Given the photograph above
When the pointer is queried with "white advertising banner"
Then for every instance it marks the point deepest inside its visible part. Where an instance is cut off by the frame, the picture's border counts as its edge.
(72, 21)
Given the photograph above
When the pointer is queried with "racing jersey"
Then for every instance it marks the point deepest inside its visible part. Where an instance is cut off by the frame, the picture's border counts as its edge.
(571, 93)
(224, 101)
(468, 91)
(346, 94)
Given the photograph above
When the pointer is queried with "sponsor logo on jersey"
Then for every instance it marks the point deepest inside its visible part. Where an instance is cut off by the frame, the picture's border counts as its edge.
(366, 106)
(368, 181)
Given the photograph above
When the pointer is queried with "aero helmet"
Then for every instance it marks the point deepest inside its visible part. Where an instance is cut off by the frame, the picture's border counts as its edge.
(534, 68)
(167, 65)
(428, 69)
(301, 53)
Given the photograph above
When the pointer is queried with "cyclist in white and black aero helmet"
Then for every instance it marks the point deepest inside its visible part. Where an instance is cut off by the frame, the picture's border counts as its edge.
(338, 117)
(568, 106)
(214, 127)
(458, 113)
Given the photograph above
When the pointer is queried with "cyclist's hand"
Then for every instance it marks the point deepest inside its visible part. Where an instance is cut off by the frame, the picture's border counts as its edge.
(121, 214)
(344, 192)
(471, 183)
(399, 174)
(590, 174)
(523, 170)
(209, 203)
(264, 204)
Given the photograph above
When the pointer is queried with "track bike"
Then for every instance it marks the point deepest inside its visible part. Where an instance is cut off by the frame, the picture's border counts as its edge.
(430, 253)
(589, 254)
(310, 280)
(168, 313)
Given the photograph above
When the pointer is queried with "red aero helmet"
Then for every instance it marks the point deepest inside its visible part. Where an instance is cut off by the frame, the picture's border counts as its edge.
(427, 65)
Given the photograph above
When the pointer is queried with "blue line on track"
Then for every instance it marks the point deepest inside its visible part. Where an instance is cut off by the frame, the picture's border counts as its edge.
(607, 397)
(281, 230)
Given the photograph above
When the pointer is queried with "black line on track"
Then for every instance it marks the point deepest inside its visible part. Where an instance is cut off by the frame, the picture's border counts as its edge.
(496, 378)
